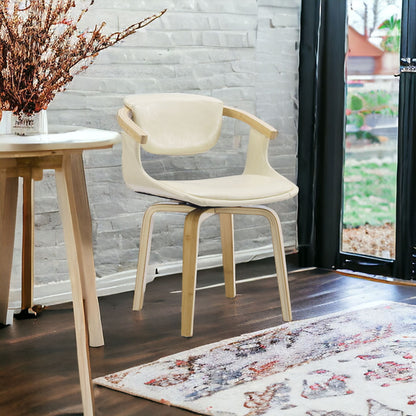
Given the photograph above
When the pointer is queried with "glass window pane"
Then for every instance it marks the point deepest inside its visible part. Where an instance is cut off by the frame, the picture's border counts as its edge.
(370, 164)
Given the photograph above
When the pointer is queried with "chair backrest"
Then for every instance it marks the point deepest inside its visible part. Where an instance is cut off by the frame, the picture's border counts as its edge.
(177, 124)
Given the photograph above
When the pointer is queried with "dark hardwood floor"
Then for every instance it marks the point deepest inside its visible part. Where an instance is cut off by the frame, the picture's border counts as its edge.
(38, 368)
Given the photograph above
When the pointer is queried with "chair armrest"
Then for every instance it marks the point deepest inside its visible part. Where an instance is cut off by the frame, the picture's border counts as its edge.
(253, 121)
(130, 127)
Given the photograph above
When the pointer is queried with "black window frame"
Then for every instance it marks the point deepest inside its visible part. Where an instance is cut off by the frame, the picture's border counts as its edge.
(321, 141)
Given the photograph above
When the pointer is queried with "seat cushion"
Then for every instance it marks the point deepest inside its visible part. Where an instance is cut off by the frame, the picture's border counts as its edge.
(236, 190)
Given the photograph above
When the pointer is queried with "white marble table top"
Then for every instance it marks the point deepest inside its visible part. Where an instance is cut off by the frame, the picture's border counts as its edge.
(59, 138)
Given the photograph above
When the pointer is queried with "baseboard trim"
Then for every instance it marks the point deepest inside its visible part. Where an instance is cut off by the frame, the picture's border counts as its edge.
(60, 292)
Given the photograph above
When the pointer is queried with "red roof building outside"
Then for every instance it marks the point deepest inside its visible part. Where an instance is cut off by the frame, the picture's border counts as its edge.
(363, 56)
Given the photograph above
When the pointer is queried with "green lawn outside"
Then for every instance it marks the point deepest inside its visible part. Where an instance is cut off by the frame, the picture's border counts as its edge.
(369, 193)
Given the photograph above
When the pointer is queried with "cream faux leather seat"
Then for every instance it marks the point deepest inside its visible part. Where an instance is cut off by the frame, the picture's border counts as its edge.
(186, 124)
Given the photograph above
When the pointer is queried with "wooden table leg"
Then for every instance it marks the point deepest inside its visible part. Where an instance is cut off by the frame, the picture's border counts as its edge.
(8, 205)
(70, 180)
(73, 202)
(27, 242)
(29, 175)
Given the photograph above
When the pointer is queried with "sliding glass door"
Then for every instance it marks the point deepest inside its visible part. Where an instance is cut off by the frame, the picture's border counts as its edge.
(371, 128)
(357, 129)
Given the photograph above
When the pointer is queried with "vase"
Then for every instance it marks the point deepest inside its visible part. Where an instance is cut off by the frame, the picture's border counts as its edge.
(24, 124)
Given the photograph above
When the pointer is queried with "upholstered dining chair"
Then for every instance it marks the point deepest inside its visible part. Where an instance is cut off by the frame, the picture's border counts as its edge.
(187, 124)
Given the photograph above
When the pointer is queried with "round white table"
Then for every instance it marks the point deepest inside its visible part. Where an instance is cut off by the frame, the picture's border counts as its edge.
(27, 156)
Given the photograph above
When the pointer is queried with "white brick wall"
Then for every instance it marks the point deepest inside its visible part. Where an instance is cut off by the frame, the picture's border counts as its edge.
(244, 52)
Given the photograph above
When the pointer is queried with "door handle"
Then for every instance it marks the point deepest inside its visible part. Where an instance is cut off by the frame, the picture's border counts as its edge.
(407, 65)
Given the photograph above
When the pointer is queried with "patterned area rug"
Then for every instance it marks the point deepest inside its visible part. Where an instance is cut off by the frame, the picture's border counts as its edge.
(357, 363)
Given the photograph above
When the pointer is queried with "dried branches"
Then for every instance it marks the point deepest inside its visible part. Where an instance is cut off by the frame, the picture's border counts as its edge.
(42, 48)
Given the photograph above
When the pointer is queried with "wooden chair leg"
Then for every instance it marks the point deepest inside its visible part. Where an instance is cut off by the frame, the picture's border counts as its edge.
(145, 245)
(280, 261)
(142, 263)
(278, 250)
(227, 241)
(8, 205)
(190, 254)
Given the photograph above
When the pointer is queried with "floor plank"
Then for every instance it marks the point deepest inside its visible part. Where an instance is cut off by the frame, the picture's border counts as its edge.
(37, 357)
